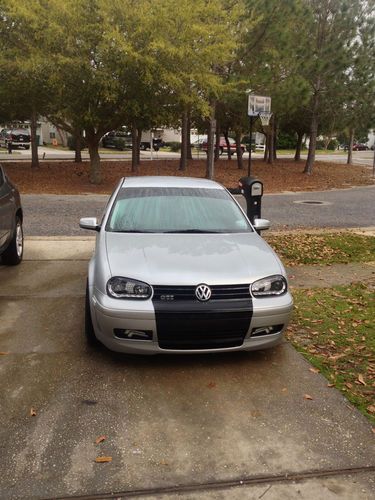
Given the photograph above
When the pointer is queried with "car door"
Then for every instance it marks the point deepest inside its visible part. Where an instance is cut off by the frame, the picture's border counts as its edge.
(6, 210)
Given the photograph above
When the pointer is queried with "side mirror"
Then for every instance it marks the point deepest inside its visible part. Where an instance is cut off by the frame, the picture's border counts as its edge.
(89, 223)
(261, 224)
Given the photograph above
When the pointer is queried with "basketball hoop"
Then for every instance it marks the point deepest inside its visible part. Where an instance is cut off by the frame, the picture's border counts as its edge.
(265, 117)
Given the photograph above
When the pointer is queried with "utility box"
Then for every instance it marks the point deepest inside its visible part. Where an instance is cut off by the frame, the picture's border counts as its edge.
(252, 190)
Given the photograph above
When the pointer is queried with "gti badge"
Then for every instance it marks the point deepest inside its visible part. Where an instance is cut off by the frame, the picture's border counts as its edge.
(203, 292)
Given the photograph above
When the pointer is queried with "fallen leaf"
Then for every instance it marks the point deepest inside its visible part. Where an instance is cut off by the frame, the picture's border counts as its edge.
(307, 396)
(211, 385)
(102, 460)
(373, 430)
(371, 409)
(4, 353)
(100, 439)
(330, 385)
(32, 412)
(349, 385)
(361, 379)
(314, 370)
(163, 462)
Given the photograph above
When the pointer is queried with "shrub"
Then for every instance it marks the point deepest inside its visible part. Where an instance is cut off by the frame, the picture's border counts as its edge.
(333, 145)
(286, 141)
(173, 146)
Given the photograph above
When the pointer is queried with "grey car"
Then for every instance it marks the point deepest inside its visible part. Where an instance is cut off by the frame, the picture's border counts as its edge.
(11, 218)
(179, 268)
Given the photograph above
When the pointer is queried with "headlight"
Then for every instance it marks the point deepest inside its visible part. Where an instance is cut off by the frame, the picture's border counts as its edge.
(126, 288)
(269, 287)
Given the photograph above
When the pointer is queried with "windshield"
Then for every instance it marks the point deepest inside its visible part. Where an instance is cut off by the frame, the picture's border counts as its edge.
(176, 210)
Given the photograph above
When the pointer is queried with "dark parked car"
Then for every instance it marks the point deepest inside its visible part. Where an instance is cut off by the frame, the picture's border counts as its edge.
(117, 139)
(157, 144)
(11, 217)
(360, 147)
(15, 138)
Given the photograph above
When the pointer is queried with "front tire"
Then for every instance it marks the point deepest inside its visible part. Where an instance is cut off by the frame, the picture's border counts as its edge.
(14, 253)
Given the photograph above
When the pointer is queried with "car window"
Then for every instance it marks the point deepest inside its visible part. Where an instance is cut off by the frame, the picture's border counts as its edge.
(160, 210)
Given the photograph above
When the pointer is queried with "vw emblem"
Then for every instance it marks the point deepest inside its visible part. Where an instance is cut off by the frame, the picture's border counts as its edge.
(203, 293)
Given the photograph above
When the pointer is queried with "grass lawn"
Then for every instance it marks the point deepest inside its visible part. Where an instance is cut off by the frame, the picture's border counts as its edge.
(334, 329)
(328, 248)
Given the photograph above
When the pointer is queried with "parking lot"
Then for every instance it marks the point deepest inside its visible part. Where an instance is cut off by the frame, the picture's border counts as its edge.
(211, 426)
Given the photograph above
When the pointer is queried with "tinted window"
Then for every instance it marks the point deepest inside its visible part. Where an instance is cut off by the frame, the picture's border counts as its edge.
(160, 210)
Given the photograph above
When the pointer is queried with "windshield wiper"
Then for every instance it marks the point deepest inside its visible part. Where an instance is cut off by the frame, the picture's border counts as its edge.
(197, 231)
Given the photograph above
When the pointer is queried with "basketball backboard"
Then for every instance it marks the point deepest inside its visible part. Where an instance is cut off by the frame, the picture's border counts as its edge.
(258, 104)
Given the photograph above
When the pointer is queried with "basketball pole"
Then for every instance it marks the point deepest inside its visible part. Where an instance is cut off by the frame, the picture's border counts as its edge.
(250, 146)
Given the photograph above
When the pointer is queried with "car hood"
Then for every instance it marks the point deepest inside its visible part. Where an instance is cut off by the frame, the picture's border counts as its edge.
(186, 259)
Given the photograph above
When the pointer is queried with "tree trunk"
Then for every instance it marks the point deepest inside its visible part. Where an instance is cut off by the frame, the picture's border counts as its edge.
(239, 150)
(189, 153)
(274, 137)
(34, 142)
(78, 149)
(134, 150)
(78, 145)
(139, 138)
(218, 149)
(184, 141)
(297, 155)
(266, 148)
(95, 172)
(270, 141)
(313, 135)
(226, 136)
(211, 144)
(349, 160)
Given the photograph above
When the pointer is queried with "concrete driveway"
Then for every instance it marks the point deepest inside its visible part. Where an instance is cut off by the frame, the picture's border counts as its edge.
(213, 426)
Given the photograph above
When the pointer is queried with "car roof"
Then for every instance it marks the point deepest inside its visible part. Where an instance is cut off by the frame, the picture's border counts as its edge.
(170, 181)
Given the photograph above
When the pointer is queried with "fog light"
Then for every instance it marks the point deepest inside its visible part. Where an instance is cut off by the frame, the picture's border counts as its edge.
(266, 330)
(121, 333)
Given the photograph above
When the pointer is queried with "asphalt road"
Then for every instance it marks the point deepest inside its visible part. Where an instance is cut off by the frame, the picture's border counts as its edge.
(57, 215)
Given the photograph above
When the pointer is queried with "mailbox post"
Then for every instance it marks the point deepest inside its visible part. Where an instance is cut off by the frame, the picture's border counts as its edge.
(252, 190)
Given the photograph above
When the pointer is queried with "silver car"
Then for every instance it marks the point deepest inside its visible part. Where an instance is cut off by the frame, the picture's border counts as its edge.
(178, 268)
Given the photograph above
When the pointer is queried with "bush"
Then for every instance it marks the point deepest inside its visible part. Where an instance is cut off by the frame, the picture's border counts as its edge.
(286, 141)
(333, 145)
(173, 146)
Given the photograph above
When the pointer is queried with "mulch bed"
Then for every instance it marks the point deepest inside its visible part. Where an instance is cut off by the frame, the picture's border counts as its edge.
(67, 177)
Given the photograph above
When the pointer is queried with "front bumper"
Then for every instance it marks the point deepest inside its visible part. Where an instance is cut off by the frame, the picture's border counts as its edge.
(110, 314)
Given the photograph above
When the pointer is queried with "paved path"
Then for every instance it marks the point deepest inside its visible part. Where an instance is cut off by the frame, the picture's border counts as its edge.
(49, 215)
(198, 427)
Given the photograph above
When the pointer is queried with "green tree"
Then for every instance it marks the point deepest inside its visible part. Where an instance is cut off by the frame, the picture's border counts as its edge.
(327, 57)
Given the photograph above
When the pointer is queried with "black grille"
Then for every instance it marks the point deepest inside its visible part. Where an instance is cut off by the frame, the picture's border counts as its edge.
(219, 292)
(195, 325)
